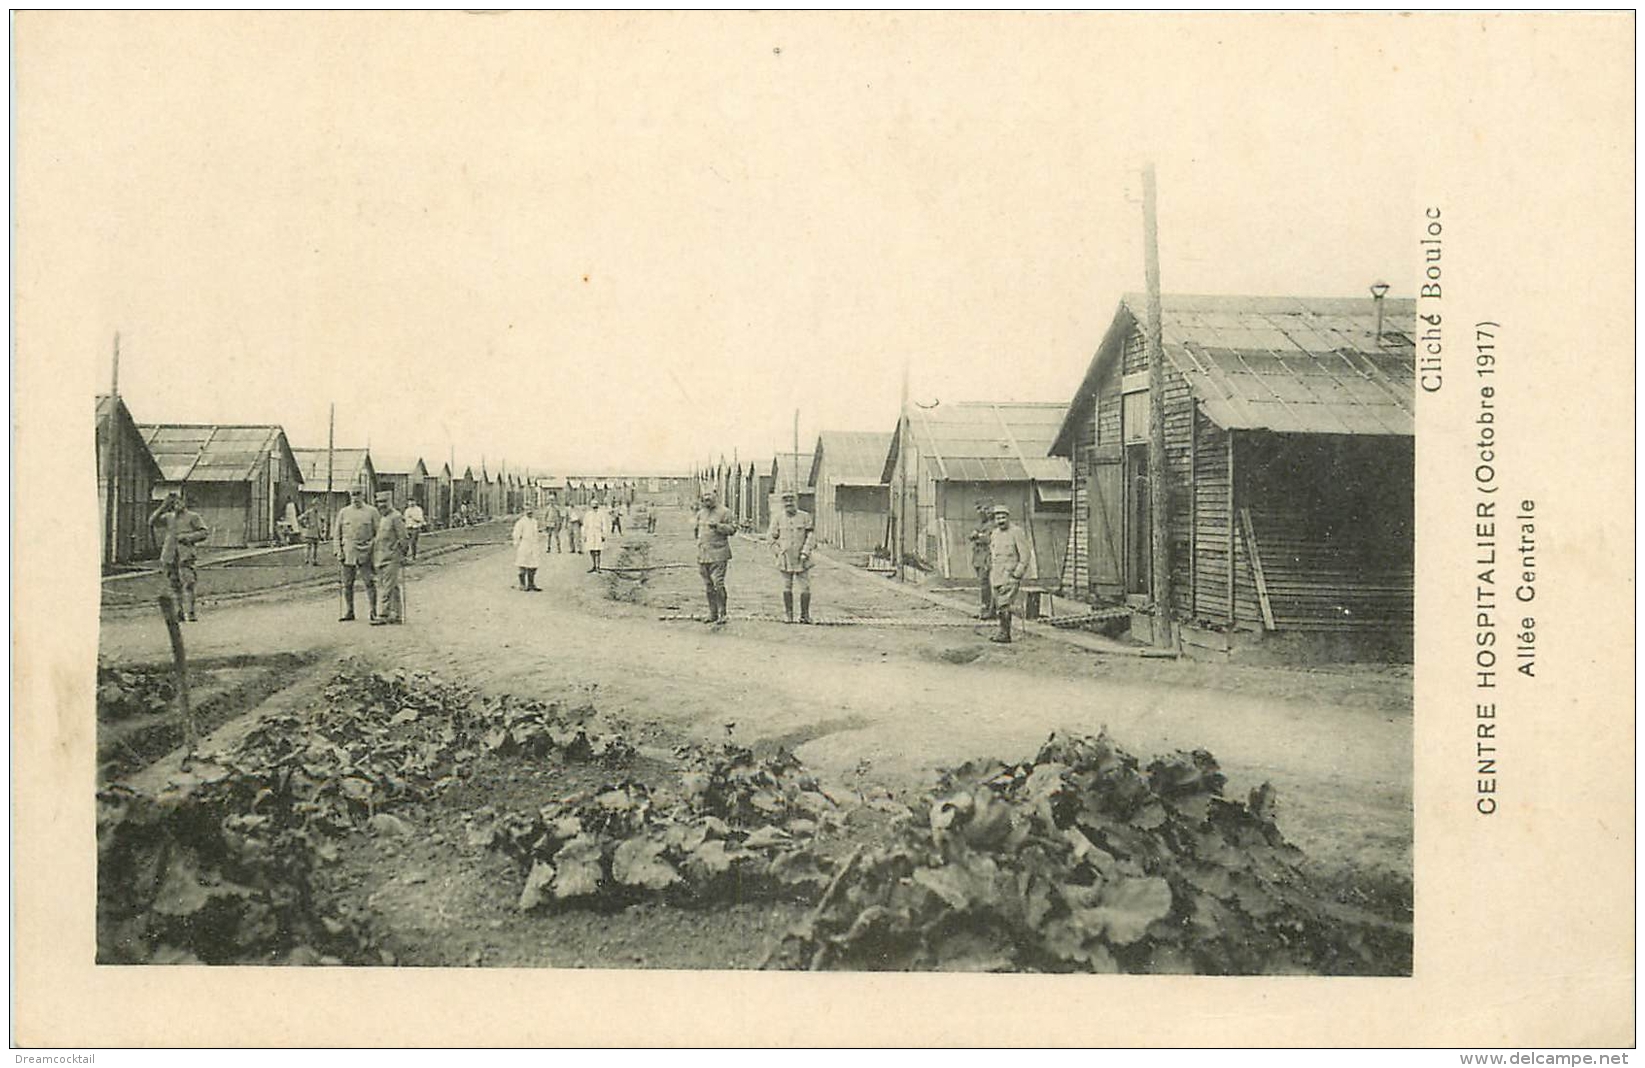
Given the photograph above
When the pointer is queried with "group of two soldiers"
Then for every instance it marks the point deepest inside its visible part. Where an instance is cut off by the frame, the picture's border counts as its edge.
(1000, 556)
(372, 544)
(793, 541)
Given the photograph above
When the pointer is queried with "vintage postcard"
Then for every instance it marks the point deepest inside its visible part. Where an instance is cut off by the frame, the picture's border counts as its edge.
(519, 514)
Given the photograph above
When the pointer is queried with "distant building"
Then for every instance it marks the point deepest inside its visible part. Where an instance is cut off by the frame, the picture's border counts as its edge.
(852, 503)
(404, 477)
(791, 470)
(125, 465)
(343, 470)
(966, 453)
(437, 495)
(1289, 430)
(239, 478)
(757, 495)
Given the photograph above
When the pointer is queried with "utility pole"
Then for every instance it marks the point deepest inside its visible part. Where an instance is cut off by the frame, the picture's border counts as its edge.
(1153, 343)
(795, 464)
(904, 428)
(331, 448)
(111, 464)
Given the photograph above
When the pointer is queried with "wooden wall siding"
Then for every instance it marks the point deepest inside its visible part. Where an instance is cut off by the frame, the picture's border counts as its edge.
(1135, 356)
(225, 507)
(133, 495)
(1333, 518)
(857, 518)
(1207, 589)
(1076, 571)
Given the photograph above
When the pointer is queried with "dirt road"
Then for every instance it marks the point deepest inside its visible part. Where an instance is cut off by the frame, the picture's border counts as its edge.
(871, 708)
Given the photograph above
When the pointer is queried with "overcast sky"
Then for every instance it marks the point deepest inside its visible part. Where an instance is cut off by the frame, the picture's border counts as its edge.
(580, 242)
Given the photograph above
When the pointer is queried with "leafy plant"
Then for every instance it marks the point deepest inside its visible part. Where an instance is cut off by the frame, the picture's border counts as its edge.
(126, 692)
(1084, 859)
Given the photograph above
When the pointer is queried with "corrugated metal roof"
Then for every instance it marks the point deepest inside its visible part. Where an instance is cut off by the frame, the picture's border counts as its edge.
(849, 457)
(979, 441)
(347, 466)
(1287, 364)
(783, 467)
(206, 453)
(395, 464)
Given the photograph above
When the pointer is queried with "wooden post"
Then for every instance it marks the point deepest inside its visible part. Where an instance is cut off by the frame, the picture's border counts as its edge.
(179, 665)
(1256, 568)
(111, 466)
(904, 431)
(331, 447)
(1158, 490)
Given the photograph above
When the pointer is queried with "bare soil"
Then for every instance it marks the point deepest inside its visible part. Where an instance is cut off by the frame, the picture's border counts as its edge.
(873, 709)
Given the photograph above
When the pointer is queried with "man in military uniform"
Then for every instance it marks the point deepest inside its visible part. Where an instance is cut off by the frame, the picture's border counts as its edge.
(713, 528)
(388, 552)
(553, 521)
(181, 529)
(792, 541)
(354, 533)
(415, 522)
(1008, 556)
(979, 557)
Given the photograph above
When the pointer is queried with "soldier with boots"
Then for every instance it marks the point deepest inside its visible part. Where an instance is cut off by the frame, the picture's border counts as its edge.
(713, 526)
(388, 553)
(1008, 556)
(979, 557)
(792, 541)
(182, 530)
(356, 531)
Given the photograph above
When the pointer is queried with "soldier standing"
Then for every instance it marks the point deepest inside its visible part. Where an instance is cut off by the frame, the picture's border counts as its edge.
(356, 530)
(712, 529)
(792, 541)
(1008, 556)
(979, 557)
(414, 526)
(183, 530)
(311, 523)
(574, 527)
(553, 520)
(388, 552)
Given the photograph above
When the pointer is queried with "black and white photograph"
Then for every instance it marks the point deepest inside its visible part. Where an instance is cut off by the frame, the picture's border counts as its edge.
(779, 493)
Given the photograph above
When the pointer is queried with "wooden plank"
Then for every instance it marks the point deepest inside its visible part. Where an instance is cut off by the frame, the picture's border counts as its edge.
(1256, 568)
(1233, 606)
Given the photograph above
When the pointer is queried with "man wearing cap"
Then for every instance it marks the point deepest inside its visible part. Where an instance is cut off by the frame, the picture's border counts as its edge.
(388, 552)
(979, 557)
(712, 529)
(181, 530)
(415, 522)
(355, 531)
(553, 520)
(792, 541)
(1008, 556)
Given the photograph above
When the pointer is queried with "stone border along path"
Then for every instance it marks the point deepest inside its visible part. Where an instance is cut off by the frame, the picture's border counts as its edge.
(1089, 642)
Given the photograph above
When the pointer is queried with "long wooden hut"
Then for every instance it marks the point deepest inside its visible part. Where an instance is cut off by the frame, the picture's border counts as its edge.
(127, 470)
(344, 470)
(238, 477)
(852, 503)
(757, 495)
(979, 452)
(437, 496)
(403, 477)
(790, 471)
(467, 488)
(1289, 429)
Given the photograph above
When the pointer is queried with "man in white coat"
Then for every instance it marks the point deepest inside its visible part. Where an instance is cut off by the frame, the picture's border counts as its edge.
(528, 551)
(596, 523)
